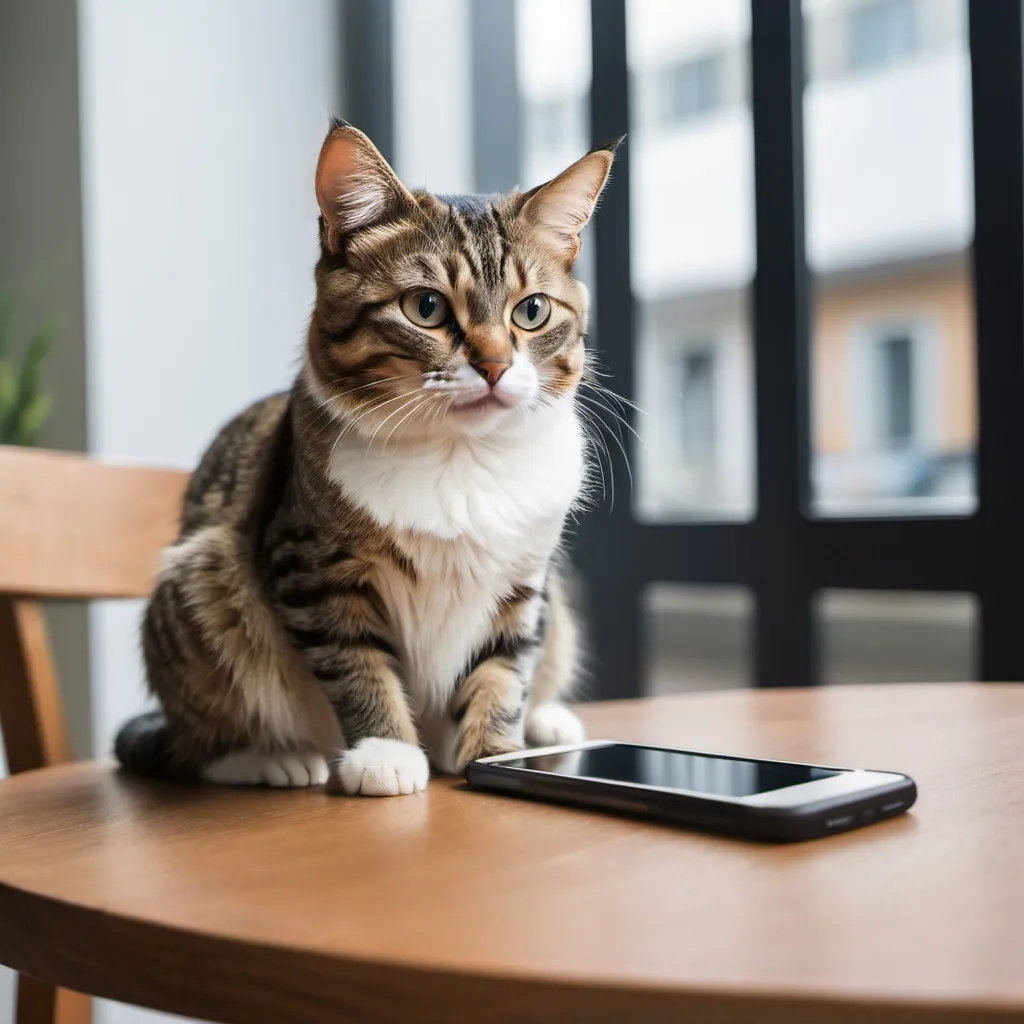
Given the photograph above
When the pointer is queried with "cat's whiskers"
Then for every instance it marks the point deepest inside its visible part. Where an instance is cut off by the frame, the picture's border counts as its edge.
(616, 417)
(592, 430)
(547, 397)
(349, 425)
(614, 434)
(351, 421)
(411, 399)
(417, 407)
(621, 404)
(438, 412)
(376, 383)
(328, 406)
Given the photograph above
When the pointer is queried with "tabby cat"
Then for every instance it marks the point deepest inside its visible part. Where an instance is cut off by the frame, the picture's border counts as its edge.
(368, 568)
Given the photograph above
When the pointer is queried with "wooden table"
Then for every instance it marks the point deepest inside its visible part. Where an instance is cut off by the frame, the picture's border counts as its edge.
(454, 906)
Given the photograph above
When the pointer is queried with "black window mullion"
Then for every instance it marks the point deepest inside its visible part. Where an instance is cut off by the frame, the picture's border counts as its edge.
(998, 255)
(606, 547)
(784, 640)
(368, 81)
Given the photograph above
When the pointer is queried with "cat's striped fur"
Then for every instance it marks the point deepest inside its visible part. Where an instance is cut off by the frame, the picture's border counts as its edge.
(368, 565)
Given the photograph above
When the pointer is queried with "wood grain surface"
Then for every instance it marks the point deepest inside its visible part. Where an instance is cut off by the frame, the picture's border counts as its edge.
(72, 527)
(455, 906)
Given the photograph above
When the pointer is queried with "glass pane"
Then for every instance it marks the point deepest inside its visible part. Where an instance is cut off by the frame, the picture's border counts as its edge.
(697, 638)
(693, 257)
(554, 70)
(890, 218)
(553, 65)
(884, 637)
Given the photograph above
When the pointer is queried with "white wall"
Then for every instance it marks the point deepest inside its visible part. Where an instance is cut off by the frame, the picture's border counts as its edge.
(201, 124)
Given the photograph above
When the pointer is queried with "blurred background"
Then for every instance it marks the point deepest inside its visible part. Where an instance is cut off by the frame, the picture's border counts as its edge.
(156, 164)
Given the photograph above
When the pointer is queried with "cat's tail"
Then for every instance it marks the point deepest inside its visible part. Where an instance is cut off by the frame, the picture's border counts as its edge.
(147, 746)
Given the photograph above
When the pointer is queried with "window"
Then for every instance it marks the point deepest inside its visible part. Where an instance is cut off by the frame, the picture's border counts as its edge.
(872, 636)
(693, 88)
(875, 189)
(695, 638)
(697, 406)
(894, 372)
(881, 33)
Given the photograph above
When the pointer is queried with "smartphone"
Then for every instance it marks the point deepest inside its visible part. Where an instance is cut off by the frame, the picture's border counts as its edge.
(741, 796)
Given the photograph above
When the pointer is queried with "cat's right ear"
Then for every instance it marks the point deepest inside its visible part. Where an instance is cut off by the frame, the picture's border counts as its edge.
(355, 185)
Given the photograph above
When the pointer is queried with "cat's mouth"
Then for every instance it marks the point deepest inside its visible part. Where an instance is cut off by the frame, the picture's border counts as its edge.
(492, 401)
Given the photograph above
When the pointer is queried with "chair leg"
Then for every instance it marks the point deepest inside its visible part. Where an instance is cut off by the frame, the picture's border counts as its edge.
(35, 736)
(39, 1003)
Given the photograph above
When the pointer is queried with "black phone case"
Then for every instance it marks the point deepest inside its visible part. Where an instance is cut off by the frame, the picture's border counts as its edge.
(790, 824)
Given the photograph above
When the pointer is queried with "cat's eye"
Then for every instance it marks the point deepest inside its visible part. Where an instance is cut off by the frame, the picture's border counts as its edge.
(425, 308)
(532, 313)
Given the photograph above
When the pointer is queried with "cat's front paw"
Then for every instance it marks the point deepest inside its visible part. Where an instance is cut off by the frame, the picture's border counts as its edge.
(553, 725)
(472, 750)
(379, 767)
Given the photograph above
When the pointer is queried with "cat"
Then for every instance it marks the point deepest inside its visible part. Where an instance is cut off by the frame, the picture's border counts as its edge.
(368, 577)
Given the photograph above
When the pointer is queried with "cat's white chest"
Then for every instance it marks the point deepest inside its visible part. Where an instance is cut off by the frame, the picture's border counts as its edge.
(475, 517)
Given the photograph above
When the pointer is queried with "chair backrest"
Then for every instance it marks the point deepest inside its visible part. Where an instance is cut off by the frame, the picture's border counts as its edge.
(74, 527)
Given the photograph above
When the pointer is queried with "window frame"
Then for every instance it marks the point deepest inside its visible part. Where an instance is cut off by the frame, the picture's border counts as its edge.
(785, 555)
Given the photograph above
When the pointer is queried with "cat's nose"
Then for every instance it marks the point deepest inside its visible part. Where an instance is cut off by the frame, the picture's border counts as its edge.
(491, 369)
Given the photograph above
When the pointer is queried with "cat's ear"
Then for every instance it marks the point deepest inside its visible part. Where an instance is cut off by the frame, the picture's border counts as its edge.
(560, 209)
(355, 185)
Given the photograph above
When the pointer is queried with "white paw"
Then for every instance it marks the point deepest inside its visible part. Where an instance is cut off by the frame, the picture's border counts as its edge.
(249, 768)
(553, 725)
(376, 767)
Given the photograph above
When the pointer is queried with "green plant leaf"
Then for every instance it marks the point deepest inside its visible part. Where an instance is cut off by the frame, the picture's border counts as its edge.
(6, 320)
(24, 407)
(32, 420)
(8, 389)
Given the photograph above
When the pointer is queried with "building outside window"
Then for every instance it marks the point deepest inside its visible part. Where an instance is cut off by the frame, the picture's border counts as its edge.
(889, 223)
(881, 33)
(894, 369)
(692, 89)
(697, 406)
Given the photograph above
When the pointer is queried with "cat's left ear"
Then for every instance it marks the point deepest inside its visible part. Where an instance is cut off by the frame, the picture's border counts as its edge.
(355, 185)
(560, 209)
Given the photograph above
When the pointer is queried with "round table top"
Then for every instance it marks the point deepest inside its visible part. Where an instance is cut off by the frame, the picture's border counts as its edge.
(460, 906)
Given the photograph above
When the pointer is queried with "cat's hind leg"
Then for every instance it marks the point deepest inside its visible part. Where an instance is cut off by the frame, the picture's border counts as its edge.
(239, 705)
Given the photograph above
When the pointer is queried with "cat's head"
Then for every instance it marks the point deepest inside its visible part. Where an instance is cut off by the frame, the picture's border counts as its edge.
(441, 315)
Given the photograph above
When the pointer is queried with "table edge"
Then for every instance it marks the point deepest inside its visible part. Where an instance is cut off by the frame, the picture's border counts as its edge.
(136, 961)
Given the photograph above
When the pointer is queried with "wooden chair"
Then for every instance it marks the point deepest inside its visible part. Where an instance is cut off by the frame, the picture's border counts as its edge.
(70, 527)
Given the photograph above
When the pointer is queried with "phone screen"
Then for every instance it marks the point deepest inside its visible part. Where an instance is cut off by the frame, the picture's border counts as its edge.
(674, 769)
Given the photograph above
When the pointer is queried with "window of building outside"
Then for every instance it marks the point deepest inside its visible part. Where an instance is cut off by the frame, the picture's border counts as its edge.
(894, 370)
(692, 89)
(881, 33)
(692, 255)
(697, 406)
(890, 220)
